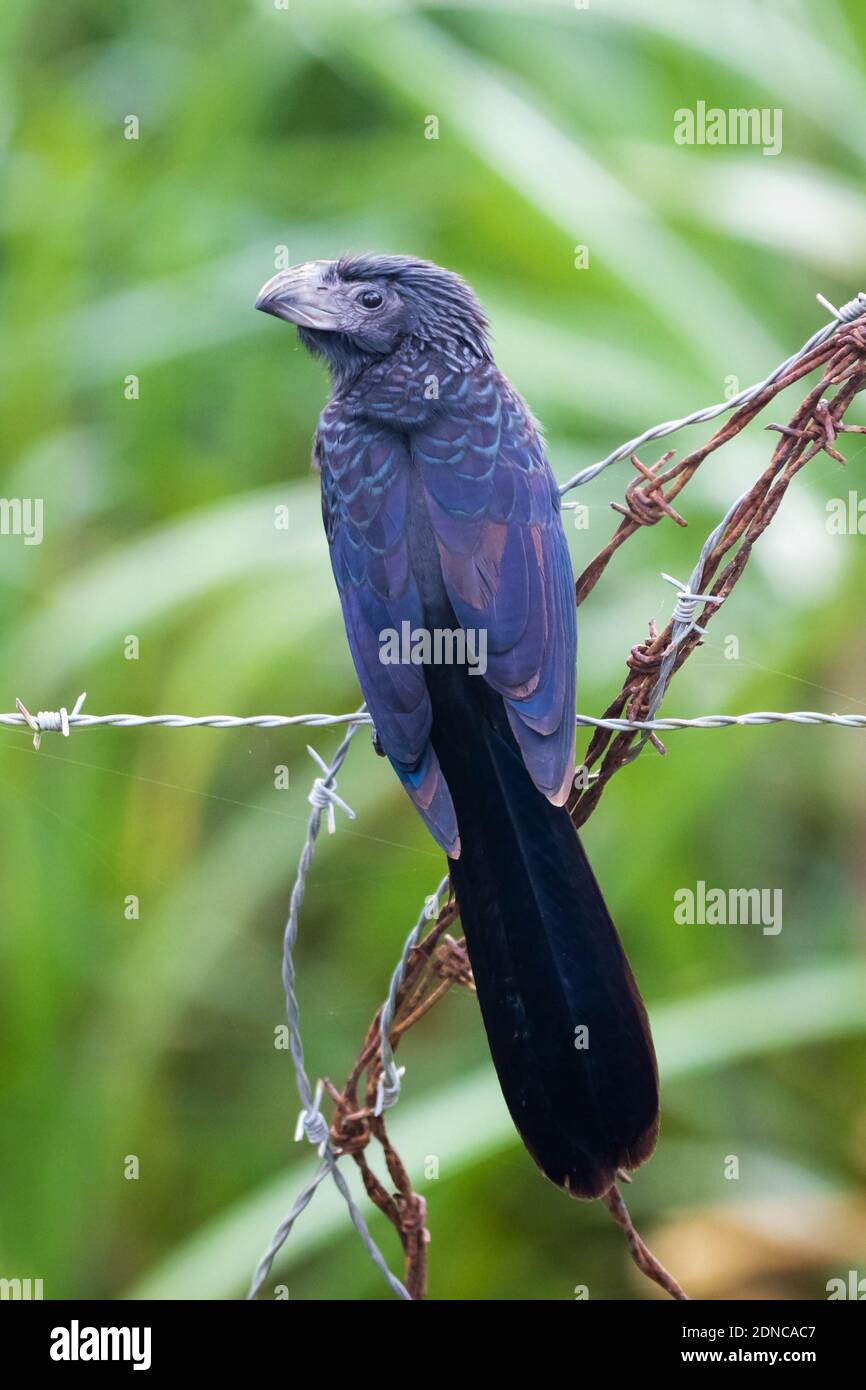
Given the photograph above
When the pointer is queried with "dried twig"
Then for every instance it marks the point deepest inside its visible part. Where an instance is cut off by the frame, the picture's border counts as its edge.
(640, 1252)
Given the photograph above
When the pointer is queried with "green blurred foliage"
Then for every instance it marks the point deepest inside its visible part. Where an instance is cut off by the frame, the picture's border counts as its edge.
(262, 127)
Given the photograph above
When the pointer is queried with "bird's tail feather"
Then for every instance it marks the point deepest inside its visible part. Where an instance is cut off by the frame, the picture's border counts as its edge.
(567, 1027)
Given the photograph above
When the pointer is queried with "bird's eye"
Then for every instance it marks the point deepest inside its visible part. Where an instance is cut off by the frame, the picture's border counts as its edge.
(371, 299)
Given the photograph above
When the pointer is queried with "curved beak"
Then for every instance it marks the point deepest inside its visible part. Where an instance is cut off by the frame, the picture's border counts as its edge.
(300, 295)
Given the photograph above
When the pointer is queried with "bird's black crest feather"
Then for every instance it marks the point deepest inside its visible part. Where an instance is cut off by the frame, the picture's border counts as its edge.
(445, 305)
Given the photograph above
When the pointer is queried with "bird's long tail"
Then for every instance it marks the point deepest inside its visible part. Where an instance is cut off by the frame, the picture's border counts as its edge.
(567, 1027)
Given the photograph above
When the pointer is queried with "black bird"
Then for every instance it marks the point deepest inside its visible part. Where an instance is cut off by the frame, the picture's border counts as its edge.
(443, 518)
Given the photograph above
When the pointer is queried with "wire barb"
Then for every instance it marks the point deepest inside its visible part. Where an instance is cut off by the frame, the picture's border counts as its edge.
(687, 605)
(854, 309)
(388, 1091)
(49, 721)
(312, 1123)
(323, 793)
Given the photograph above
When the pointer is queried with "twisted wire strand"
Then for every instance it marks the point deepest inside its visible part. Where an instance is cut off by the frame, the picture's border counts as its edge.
(359, 720)
(311, 1121)
(390, 1083)
(50, 721)
(684, 622)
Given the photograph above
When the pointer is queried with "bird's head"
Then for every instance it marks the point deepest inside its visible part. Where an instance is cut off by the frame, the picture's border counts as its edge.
(359, 309)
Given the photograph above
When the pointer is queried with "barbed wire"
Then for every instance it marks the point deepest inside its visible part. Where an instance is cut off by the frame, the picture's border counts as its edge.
(311, 1122)
(849, 313)
(59, 721)
(50, 721)
(390, 1082)
(814, 429)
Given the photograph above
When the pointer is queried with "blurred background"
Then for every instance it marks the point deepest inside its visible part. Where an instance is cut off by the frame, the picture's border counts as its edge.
(262, 128)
